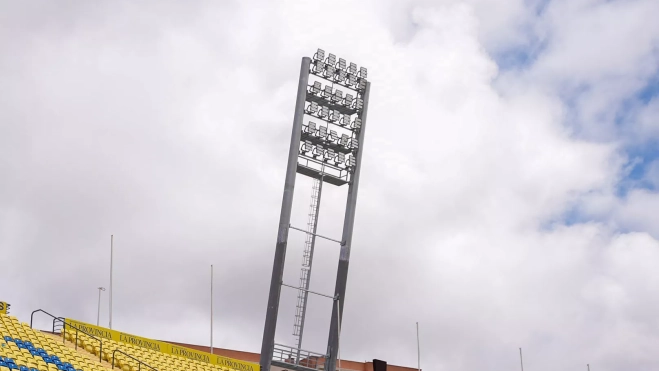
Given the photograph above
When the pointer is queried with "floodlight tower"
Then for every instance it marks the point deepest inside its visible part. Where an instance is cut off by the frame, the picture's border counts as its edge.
(326, 145)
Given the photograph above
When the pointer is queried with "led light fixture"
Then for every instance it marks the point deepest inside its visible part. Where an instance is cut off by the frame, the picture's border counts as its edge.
(342, 64)
(316, 87)
(320, 55)
(319, 150)
(352, 69)
(344, 140)
(322, 131)
(335, 116)
(333, 136)
(345, 120)
(348, 101)
(312, 108)
(362, 72)
(311, 129)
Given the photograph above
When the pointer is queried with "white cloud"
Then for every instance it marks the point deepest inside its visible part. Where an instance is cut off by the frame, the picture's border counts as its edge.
(172, 134)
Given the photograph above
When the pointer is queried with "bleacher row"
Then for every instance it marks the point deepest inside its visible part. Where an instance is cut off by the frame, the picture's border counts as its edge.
(25, 349)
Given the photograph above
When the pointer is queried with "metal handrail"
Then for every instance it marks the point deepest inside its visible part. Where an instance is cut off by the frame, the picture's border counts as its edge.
(100, 353)
(139, 363)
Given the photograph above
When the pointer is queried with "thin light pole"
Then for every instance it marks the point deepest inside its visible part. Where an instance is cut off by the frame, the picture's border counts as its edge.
(98, 315)
(418, 348)
(211, 308)
(588, 365)
(521, 360)
(110, 293)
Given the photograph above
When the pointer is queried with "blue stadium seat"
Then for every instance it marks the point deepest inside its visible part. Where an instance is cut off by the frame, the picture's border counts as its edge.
(8, 339)
(33, 369)
(23, 368)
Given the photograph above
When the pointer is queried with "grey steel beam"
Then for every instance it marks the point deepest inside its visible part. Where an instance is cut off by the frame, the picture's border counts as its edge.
(317, 235)
(344, 257)
(267, 345)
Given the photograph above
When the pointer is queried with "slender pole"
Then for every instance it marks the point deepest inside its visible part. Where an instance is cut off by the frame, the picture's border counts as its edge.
(211, 308)
(111, 261)
(98, 315)
(521, 360)
(270, 327)
(588, 365)
(418, 348)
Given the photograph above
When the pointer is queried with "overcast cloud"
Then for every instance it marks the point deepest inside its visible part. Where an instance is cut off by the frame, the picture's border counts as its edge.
(509, 189)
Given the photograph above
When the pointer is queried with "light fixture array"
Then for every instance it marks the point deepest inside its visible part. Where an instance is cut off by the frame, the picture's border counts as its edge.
(329, 104)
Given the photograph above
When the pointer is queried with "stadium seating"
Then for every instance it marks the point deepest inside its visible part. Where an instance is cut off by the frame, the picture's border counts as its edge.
(25, 349)
(157, 360)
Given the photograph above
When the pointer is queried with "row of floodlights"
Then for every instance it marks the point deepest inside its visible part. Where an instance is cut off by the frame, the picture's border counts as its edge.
(333, 116)
(332, 137)
(338, 70)
(328, 154)
(336, 97)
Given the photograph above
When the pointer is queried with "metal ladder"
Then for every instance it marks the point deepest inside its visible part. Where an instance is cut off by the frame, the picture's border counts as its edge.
(307, 260)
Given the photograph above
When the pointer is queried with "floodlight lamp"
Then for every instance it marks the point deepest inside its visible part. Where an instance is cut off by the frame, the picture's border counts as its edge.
(342, 64)
(319, 150)
(341, 158)
(333, 137)
(330, 154)
(311, 129)
(316, 87)
(341, 76)
(336, 115)
(320, 55)
(320, 66)
(362, 84)
(349, 100)
(324, 111)
(338, 96)
(322, 131)
(357, 124)
(354, 143)
(344, 140)
(328, 91)
(352, 79)
(331, 60)
(313, 108)
(329, 71)
(362, 72)
(359, 104)
(306, 147)
(352, 69)
(345, 120)
(351, 161)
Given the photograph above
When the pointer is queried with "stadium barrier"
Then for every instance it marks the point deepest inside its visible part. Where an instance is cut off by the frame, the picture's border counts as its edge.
(161, 346)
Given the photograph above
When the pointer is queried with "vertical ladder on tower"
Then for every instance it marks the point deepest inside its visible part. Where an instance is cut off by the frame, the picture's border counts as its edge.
(307, 260)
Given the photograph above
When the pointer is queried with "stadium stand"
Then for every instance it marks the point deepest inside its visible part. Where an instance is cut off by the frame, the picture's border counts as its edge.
(79, 346)
(25, 349)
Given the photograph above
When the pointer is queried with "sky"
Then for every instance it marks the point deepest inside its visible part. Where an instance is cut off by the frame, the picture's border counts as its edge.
(509, 187)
